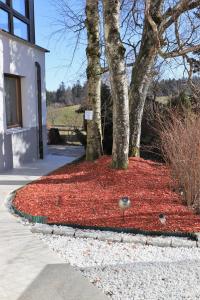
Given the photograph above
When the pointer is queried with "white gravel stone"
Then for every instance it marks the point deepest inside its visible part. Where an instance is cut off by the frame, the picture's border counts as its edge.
(154, 281)
(127, 271)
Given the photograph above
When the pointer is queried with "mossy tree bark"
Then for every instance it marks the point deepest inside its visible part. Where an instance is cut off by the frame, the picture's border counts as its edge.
(140, 82)
(115, 53)
(142, 73)
(94, 131)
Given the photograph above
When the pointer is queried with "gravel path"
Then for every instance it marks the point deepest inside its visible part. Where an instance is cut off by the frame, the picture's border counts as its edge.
(133, 272)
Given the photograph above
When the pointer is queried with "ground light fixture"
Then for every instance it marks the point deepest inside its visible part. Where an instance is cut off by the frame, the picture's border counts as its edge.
(124, 204)
(162, 219)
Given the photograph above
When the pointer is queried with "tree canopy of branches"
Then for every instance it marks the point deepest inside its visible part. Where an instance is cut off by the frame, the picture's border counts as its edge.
(169, 31)
(155, 33)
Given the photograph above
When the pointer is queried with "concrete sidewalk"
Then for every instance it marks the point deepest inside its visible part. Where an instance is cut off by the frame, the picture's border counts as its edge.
(28, 269)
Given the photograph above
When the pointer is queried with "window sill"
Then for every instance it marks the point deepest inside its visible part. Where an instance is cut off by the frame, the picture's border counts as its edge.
(16, 130)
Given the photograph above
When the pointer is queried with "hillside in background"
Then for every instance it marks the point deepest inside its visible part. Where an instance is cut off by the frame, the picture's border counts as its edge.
(66, 96)
(64, 116)
(76, 95)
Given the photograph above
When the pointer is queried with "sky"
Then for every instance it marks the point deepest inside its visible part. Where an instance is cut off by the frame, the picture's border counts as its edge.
(59, 65)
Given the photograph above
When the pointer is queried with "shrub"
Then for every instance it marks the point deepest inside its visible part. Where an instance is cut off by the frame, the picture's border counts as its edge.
(106, 119)
(156, 114)
(81, 137)
(150, 145)
(180, 142)
(54, 137)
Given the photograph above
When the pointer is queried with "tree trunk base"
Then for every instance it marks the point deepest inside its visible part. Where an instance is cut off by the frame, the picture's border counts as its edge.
(92, 157)
(119, 165)
(135, 152)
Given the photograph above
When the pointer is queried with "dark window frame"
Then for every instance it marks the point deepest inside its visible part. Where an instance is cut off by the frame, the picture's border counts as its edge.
(19, 122)
(28, 19)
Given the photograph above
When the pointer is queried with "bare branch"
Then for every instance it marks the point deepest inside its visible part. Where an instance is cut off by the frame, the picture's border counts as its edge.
(179, 52)
(172, 14)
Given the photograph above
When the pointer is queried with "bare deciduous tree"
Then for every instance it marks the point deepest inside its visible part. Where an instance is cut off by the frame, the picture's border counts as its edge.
(115, 53)
(152, 31)
(169, 31)
(94, 130)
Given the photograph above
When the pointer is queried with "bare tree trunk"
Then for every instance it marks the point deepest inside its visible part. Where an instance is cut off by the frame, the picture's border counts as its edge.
(94, 131)
(115, 52)
(141, 80)
(142, 72)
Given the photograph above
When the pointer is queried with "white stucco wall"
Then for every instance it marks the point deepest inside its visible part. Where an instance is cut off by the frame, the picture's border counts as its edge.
(18, 58)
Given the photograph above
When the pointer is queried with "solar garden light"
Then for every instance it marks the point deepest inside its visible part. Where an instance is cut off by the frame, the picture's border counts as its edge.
(162, 219)
(124, 204)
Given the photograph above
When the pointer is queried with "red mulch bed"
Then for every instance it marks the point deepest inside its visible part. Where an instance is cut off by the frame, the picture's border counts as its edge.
(87, 194)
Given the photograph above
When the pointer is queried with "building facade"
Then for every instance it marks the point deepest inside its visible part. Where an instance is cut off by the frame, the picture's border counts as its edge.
(22, 86)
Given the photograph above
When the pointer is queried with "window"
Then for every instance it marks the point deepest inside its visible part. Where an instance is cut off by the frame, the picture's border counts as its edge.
(20, 28)
(13, 101)
(4, 23)
(20, 6)
(17, 18)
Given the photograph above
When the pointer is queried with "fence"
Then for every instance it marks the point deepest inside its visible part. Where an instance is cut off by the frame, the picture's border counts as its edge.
(67, 132)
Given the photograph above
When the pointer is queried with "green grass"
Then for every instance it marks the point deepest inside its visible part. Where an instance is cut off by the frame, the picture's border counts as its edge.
(66, 116)
(163, 99)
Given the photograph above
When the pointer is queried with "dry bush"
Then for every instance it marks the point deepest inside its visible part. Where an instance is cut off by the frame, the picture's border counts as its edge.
(180, 142)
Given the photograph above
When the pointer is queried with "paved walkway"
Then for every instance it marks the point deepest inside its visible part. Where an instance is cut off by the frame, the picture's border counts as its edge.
(28, 269)
(70, 151)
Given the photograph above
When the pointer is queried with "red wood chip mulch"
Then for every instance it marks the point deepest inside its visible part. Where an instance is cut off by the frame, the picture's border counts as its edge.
(88, 194)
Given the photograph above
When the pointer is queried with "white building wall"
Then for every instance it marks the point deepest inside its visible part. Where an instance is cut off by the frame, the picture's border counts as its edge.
(18, 58)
